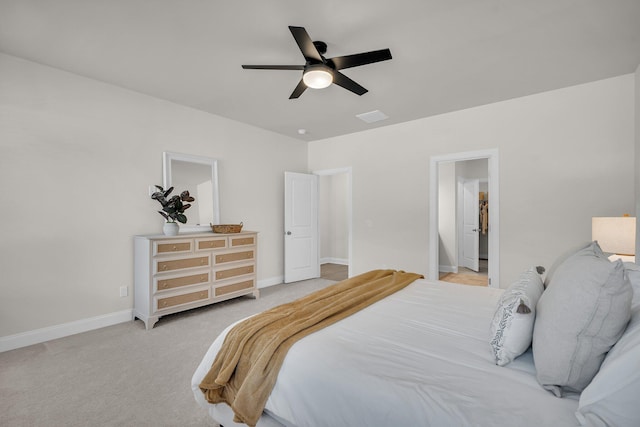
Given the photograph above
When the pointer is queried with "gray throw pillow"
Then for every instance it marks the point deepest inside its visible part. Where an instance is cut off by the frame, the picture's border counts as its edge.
(562, 258)
(580, 316)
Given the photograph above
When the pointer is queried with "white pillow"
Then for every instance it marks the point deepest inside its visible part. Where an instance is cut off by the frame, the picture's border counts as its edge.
(512, 324)
(580, 316)
(632, 273)
(611, 399)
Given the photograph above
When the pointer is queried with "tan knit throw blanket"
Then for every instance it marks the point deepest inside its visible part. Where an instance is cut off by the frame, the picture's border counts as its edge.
(246, 367)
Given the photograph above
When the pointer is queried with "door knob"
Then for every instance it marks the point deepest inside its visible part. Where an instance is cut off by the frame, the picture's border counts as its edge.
(475, 229)
(288, 233)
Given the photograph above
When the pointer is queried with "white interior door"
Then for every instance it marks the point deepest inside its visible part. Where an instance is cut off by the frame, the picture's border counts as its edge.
(470, 225)
(301, 257)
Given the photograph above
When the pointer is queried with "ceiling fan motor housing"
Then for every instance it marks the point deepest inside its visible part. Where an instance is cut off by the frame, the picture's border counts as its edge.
(321, 46)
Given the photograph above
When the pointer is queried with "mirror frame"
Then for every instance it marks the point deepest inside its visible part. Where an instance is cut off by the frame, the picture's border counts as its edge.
(167, 157)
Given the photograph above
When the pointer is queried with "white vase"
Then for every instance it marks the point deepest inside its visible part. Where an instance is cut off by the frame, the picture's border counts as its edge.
(170, 228)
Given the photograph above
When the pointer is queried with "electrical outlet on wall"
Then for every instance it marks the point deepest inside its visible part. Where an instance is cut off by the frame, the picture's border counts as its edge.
(124, 291)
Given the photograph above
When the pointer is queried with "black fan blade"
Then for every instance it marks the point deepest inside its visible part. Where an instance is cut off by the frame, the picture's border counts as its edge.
(305, 44)
(298, 90)
(344, 81)
(348, 61)
(273, 67)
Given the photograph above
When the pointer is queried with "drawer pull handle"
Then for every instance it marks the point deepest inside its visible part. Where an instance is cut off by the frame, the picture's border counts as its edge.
(175, 247)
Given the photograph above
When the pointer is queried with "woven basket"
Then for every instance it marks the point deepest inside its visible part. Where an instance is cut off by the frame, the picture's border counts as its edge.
(226, 228)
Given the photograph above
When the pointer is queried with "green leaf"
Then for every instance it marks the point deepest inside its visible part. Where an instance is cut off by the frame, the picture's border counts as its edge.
(181, 218)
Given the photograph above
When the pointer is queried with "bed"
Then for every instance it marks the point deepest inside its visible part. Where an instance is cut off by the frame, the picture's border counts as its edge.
(422, 356)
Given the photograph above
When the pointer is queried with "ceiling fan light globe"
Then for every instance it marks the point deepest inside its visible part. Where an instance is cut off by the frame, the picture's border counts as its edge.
(317, 79)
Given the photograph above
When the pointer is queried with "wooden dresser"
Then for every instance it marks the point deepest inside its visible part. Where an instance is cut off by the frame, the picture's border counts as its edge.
(177, 273)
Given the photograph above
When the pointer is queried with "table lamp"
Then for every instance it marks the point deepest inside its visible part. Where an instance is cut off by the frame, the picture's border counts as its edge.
(616, 235)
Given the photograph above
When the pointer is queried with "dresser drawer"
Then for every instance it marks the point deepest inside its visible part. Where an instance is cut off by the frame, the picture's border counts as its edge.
(172, 247)
(242, 241)
(189, 270)
(179, 264)
(234, 287)
(163, 284)
(234, 256)
(233, 272)
(168, 302)
(212, 243)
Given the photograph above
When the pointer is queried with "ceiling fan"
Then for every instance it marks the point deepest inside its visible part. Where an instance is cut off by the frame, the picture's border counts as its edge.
(319, 72)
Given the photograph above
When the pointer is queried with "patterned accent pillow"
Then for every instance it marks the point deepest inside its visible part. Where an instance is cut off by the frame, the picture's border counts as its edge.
(512, 324)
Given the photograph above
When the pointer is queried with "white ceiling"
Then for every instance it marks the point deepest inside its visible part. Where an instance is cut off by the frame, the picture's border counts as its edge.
(447, 54)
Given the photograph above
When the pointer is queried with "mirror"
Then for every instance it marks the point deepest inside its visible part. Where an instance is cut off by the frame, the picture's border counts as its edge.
(199, 176)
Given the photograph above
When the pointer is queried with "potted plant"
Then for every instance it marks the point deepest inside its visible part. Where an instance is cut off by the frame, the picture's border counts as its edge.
(173, 208)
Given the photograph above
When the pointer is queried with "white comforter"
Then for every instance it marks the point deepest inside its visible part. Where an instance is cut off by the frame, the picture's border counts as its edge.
(420, 357)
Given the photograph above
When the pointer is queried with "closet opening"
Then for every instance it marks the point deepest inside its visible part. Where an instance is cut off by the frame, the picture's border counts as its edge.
(334, 218)
(464, 221)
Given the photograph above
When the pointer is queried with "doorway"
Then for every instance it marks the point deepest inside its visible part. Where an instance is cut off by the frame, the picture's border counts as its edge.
(456, 245)
(334, 219)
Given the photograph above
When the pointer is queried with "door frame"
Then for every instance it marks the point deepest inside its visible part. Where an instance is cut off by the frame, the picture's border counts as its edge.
(337, 171)
(494, 218)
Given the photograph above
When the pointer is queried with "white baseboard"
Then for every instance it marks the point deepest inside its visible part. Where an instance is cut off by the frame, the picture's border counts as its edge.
(448, 268)
(37, 336)
(329, 260)
(265, 283)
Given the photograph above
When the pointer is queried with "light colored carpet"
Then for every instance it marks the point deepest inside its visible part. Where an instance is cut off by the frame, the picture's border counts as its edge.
(124, 375)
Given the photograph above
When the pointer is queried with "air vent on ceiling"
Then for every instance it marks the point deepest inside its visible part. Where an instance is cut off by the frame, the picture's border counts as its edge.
(372, 116)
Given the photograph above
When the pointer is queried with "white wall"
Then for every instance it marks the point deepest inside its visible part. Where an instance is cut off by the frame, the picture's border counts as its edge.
(473, 169)
(565, 156)
(76, 159)
(448, 258)
(333, 216)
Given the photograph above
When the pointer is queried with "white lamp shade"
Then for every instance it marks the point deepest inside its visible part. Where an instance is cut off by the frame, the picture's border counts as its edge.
(317, 79)
(615, 234)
